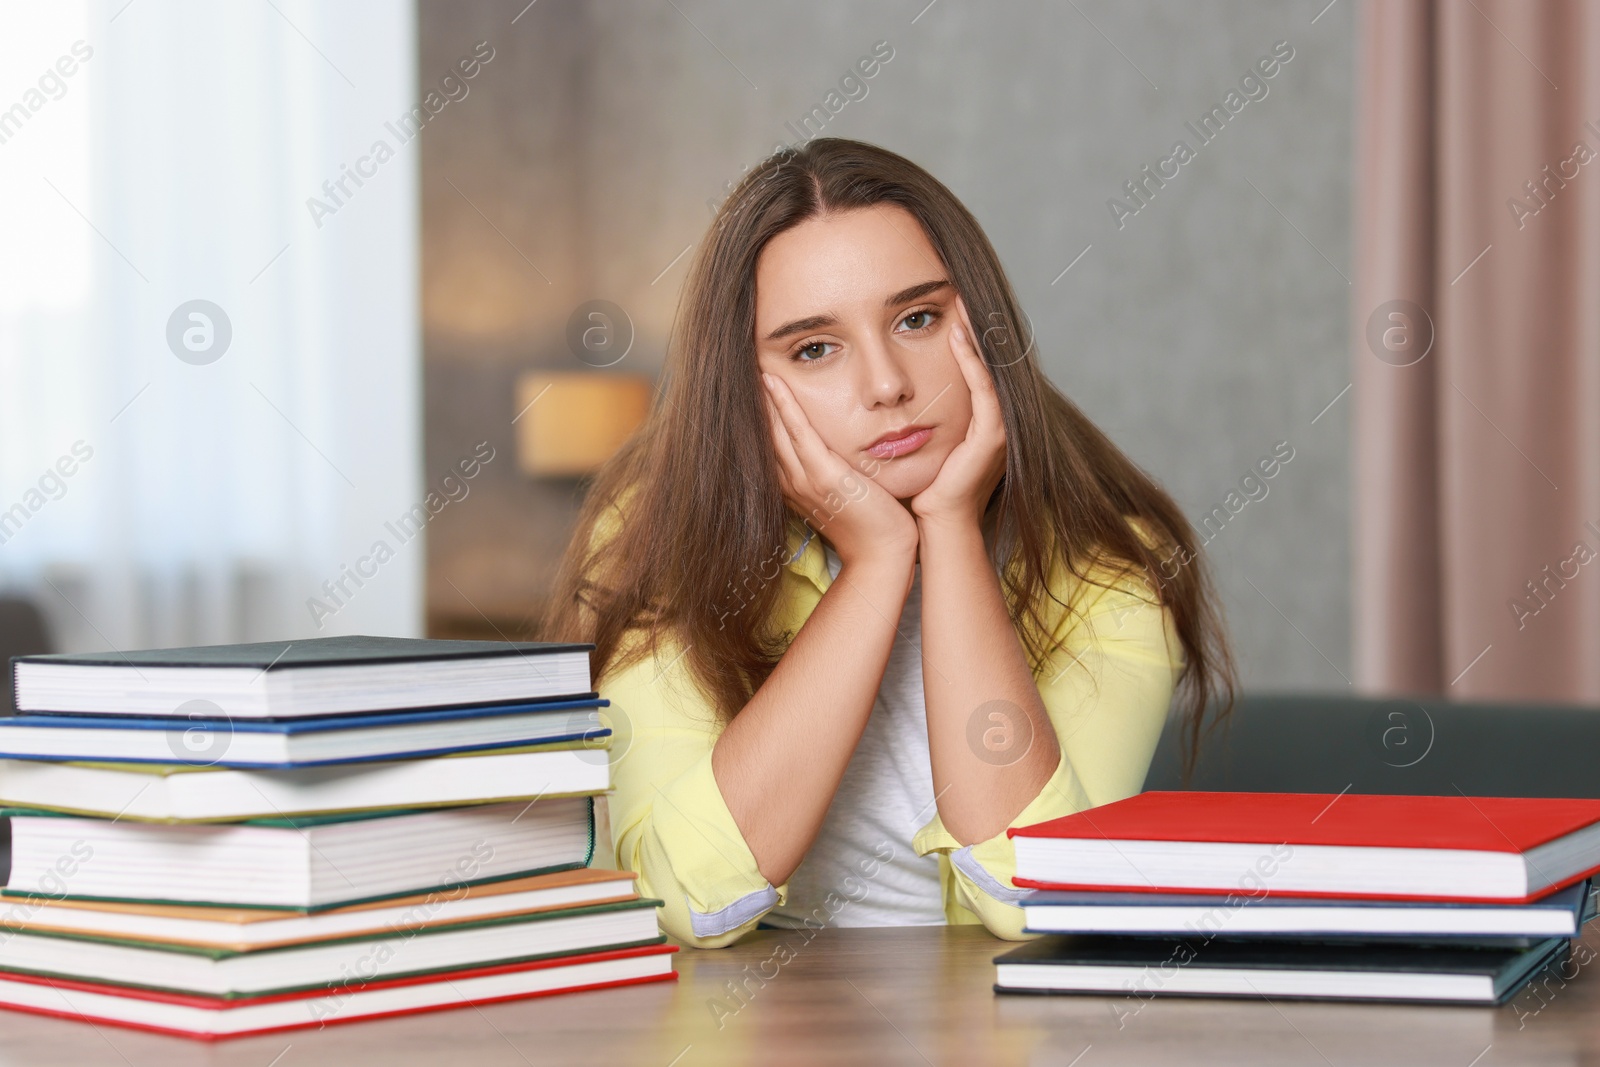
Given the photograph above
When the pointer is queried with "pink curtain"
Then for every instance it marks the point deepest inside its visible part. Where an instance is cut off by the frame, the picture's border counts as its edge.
(1475, 331)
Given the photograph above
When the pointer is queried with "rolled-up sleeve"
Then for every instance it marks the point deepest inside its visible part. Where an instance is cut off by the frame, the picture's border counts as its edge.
(1107, 690)
(669, 821)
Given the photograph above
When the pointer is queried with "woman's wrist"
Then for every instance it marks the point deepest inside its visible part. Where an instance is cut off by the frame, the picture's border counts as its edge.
(881, 559)
(945, 529)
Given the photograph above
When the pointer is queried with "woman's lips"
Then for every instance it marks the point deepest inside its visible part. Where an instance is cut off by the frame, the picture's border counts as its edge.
(900, 445)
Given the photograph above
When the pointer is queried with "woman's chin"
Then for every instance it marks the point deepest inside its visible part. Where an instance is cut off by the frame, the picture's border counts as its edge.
(904, 484)
(905, 476)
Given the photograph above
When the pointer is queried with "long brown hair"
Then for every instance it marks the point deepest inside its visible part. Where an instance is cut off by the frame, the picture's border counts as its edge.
(705, 509)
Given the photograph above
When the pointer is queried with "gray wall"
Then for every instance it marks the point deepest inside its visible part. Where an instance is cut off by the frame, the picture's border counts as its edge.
(1202, 332)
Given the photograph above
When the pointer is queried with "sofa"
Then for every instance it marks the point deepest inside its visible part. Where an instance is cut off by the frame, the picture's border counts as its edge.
(1326, 744)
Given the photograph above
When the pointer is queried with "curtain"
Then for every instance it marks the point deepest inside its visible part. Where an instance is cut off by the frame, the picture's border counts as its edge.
(209, 352)
(1476, 344)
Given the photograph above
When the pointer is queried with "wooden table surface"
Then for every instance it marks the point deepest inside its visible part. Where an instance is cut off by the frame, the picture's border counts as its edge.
(920, 995)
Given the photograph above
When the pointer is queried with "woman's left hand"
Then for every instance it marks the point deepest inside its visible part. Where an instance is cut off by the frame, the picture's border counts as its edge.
(961, 489)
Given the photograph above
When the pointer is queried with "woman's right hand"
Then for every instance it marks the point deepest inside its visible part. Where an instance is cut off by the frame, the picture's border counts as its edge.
(861, 520)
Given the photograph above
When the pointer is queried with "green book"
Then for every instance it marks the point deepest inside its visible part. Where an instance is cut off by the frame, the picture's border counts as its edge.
(306, 862)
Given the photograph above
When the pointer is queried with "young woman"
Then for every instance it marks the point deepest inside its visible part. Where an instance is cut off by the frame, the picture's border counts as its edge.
(867, 589)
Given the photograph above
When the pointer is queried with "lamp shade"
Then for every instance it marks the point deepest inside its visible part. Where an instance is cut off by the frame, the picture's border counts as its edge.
(568, 424)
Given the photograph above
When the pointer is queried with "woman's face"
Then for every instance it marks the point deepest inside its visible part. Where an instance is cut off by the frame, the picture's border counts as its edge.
(853, 312)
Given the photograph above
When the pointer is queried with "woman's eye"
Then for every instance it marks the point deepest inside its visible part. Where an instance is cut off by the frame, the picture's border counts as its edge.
(924, 319)
(815, 349)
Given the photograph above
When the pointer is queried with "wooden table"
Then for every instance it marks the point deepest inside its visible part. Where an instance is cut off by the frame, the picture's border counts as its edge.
(919, 995)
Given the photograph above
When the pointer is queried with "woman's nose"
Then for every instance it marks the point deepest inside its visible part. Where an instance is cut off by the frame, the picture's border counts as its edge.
(885, 379)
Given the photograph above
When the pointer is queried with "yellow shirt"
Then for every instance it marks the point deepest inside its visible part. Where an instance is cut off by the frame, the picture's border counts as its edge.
(1107, 691)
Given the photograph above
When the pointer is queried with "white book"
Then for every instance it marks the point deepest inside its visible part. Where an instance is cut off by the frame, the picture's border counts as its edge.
(161, 792)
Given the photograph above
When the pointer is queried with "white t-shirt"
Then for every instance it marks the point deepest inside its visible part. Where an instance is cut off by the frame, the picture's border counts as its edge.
(884, 798)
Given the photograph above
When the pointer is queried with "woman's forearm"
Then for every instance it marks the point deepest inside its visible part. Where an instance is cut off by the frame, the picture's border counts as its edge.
(779, 762)
(989, 737)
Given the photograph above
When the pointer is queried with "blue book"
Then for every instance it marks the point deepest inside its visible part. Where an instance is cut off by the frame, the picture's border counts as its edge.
(314, 742)
(1237, 915)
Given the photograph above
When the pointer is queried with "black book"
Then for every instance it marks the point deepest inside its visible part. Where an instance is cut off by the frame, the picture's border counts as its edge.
(1461, 973)
(290, 679)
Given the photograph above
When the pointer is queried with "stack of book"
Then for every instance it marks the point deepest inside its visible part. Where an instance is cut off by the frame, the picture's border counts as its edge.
(232, 839)
(1449, 899)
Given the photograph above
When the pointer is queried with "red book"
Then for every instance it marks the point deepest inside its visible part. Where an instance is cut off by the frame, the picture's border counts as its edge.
(1450, 848)
(210, 1018)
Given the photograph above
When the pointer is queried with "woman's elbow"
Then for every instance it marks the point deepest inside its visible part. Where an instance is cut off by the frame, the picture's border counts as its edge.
(1005, 922)
(729, 914)
(1008, 928)
(684, 934)
(691, 929)
(1002, 919)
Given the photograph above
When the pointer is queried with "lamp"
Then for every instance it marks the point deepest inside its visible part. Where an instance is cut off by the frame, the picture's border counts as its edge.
(568, 424)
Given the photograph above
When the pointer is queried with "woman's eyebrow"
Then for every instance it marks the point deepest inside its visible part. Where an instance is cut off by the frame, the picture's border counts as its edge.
(817, 322)
(915, 292)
